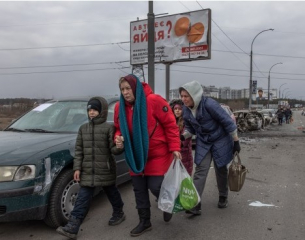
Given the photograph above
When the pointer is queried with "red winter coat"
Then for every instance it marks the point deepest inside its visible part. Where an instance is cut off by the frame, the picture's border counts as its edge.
(162, 131)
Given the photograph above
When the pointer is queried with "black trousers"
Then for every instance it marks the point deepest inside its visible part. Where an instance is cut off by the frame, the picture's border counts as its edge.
(141, 185)
(280, 121)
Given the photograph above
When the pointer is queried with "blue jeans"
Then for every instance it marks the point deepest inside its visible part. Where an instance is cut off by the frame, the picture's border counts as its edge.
(84, 198)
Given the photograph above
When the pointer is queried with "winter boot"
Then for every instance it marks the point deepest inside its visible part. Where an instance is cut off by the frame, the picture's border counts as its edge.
(195, 210)
(144, 225)
(71, 228)
(167, 216)
(223, 202)
(117, 218)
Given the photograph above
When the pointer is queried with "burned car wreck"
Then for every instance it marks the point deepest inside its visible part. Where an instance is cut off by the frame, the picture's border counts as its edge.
(249, 120)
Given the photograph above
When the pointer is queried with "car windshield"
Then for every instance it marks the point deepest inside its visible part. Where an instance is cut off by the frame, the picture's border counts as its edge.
(60, 116)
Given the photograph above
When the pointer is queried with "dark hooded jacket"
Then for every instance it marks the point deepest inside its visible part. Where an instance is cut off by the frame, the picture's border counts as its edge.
(212, 125)
(94, 149)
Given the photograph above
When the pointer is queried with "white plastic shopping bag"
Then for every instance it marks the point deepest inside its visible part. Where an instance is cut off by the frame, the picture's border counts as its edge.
(171, 189)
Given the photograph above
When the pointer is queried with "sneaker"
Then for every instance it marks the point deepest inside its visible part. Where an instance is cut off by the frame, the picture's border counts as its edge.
(167, 216)
(116, 218)
(223, 202)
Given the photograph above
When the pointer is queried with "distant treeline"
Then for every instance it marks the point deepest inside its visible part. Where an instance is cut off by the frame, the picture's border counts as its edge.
(28, 101)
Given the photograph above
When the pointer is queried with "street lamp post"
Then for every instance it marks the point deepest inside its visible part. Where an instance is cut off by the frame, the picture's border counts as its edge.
(280, 89)
(283, 92)
(251, 54)
(269, 83)
(286, 94)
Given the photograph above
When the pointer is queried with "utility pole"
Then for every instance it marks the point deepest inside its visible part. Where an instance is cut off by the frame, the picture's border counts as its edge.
(151, 46)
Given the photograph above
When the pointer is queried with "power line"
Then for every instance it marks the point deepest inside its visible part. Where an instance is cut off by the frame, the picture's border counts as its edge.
(225, 33)
(105, 44)
(232, 42)
(230, 51)
(65, 65)
(231, 75)
(275, 31)
(237, 70)
(67, 46)
(124, 19)
(65, 23)
(123, 48)
(262, 54)
(89, 70)
(185, 6)
(64, 71)
(127, 61)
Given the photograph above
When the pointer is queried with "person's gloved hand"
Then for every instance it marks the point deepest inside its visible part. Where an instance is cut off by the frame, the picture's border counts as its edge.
(182, 138)
(236, 147)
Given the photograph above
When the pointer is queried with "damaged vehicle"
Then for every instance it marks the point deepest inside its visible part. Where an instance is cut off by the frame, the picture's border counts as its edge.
(270, 114)
(249, 120)
(36, 162)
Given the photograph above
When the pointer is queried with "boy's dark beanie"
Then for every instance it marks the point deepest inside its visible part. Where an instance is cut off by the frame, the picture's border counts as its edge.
(94, 104)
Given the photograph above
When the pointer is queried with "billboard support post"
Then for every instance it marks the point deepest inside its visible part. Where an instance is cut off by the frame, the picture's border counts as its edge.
(167, 80)
(151, 46)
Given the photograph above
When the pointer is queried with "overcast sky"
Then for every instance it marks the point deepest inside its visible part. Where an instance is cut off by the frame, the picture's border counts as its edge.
(59, 49)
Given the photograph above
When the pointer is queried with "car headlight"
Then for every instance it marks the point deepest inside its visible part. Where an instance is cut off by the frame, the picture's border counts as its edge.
(7, 173)
(13, 173)
(25, 172)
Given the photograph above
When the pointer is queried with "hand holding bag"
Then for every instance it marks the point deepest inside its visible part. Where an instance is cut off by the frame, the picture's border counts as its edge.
(170, 188)
(237, 174)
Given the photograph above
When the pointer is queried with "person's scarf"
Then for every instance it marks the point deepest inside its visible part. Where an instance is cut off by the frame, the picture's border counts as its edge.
(136, 150)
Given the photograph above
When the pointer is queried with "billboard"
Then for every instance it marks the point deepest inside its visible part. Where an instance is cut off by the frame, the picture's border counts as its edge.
(179, 37)
(261, 95)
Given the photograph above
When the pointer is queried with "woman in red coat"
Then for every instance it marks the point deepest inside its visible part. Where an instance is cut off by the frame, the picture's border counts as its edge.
(186, 145)
(146, 128)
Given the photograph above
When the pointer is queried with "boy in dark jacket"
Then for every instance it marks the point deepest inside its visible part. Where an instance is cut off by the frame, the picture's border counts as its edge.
(94, 166)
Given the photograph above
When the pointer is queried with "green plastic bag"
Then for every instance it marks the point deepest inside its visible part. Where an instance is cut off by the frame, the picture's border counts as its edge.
(177, 206)
(188, 195)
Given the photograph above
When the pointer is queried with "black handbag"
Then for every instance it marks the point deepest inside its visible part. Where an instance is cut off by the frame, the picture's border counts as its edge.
(237, 174)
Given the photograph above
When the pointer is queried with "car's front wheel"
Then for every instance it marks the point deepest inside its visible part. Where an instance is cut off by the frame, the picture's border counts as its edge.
(62, 199)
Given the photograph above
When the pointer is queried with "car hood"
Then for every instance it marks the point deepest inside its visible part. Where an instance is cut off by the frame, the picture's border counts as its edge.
(15, 147)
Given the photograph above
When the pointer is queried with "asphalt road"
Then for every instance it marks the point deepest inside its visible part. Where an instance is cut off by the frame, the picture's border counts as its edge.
(269, 207)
